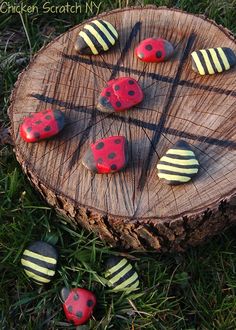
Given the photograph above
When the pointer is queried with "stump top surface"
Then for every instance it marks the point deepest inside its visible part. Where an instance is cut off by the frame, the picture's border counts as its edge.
(178, 104)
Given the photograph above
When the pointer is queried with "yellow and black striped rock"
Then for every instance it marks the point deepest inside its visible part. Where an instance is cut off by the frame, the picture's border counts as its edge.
(213, 60)
(178, 165)
(39, 261)
(96, 37)
(121, 275)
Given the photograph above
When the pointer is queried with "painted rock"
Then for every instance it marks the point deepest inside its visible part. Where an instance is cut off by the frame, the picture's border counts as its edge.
(96, 37)
(119, 95)
(154, 50)
(42, 125)
(78, 304)
(178, 165)
(39, 261)
(213, 60)
(121, 275)
(107, 155)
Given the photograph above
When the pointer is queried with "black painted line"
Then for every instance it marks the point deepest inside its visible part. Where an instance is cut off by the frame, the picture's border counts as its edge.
(157, 135)
(154, 76)
(137, 122)
(116, 68)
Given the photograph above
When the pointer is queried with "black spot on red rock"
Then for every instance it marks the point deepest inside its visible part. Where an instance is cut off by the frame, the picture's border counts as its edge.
(117, 141)
(158, 54)
(48, 117)
(89, 303)
(36, 135)
(79, 314)
(148, 47)
(70, 308)
(38, 122)
(131, 82)
(29, 129)
(111, 155)
(113, 167)
(117, 87)
(118, 104)
(131, 93)
(100, 145)
(108, 94)
(47, 128)
(76, 296)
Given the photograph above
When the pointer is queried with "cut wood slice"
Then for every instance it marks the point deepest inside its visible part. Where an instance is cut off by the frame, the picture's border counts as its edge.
(133, 208)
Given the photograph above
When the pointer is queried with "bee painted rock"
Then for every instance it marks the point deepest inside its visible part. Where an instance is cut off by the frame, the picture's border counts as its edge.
(107, 155)
(119, 95)
(39, 261)
(96, 37)
(178, 165)
(42, 125)
(213, 60)
(78, 304)
(154, 50)
(121, 275)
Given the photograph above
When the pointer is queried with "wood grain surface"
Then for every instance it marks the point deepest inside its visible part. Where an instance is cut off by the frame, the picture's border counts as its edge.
(134, 208)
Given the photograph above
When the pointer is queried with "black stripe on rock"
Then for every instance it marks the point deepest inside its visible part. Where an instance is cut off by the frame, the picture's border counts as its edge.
(36, 272)
(125, 277)
(177, 165)
(107, 27)
(39, 262)
(231, 57)
(201, 59)
(211, 61)
(97, 45)
(118, 271)
(102, 35)
(220, 59)
(189, 175)
(179, 156)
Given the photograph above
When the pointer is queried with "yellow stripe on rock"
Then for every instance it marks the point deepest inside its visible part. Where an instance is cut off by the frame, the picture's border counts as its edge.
(179, 161)
(38, 268)
(198, 63)
(121, 274)
(127, 282)
(97, 36)
(40, 257)
(111, 27)
(88, 42)
(224, 58)
(207, 61)
(215, 59)
(180, 152)
(177, 169)
(116, 267)
(105, 31)
(172, 177)
(37, 278)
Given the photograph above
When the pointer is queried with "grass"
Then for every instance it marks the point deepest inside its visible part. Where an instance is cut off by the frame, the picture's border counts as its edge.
(194, 290)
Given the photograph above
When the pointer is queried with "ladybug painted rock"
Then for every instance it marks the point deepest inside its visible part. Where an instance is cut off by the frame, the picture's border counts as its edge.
(39, 261)
(154, 50)
(119, 95)
(107, 155)
(78, 304)
(42, 125)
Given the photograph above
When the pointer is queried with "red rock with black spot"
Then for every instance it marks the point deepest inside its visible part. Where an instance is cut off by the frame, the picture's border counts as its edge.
(42, 125)
(78, 305)
(107, 155)
(154, 50)
(119, 95)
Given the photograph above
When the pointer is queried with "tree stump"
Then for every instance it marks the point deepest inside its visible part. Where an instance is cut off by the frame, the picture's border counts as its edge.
(133, 208)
